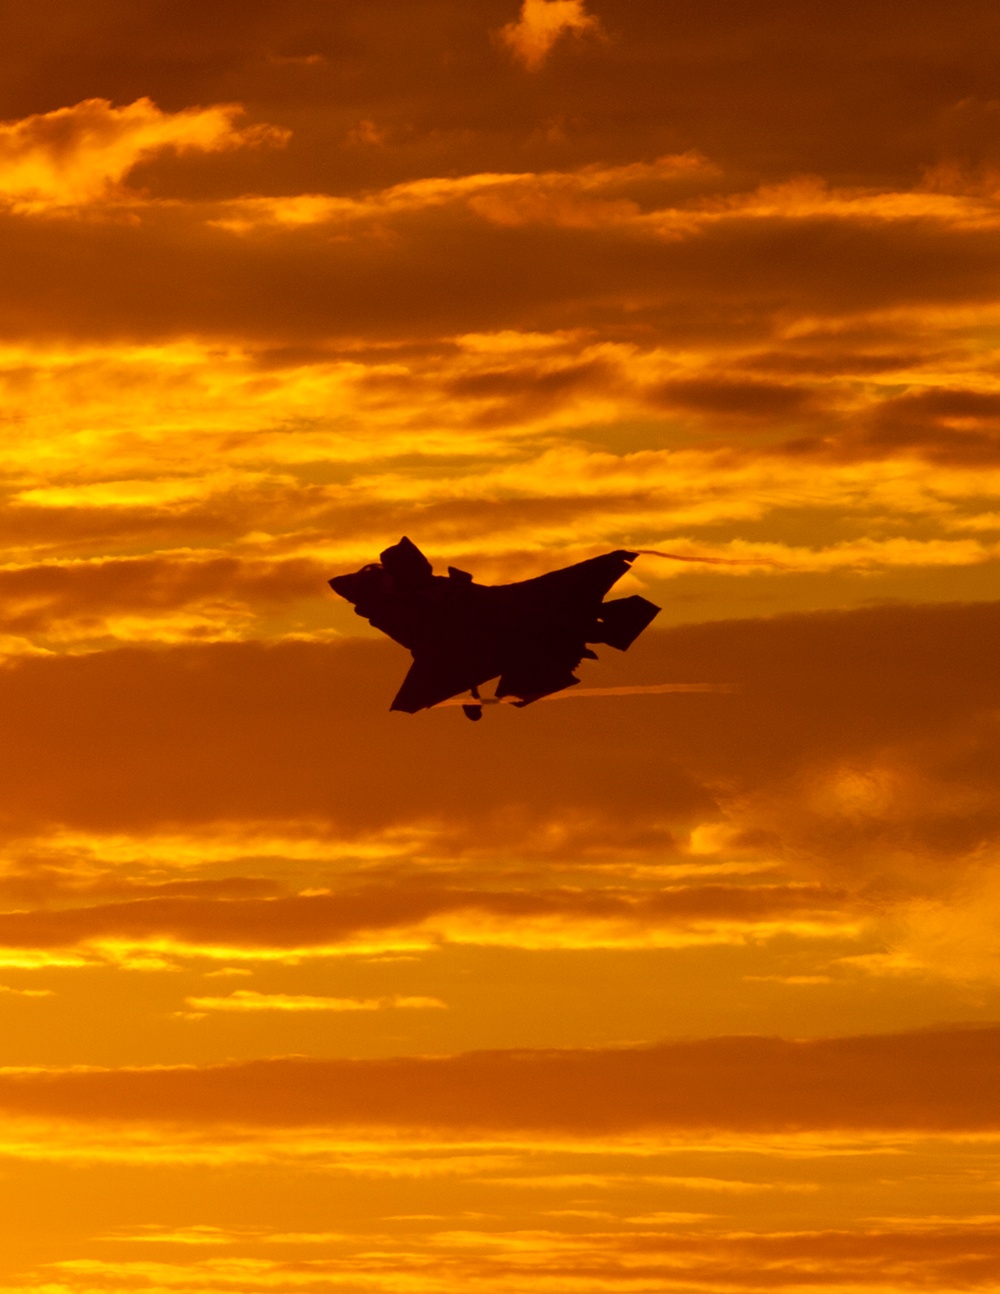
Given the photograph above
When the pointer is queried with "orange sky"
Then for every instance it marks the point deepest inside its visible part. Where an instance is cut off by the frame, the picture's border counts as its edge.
(692, 991)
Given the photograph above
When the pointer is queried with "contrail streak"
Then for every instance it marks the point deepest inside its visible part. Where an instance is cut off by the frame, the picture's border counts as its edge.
(636, 689)
(714, 561)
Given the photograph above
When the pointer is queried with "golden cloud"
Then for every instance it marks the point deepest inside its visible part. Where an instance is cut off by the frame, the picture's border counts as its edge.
(226, 924)
(866, 714)
(668, 1248)
(248, 1000)
(74, 156)
(540, 25)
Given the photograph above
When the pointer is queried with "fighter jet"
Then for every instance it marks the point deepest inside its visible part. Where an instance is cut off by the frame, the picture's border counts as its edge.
(530, 635)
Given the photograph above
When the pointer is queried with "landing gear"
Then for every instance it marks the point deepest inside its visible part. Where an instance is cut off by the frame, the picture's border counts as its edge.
(474, 710)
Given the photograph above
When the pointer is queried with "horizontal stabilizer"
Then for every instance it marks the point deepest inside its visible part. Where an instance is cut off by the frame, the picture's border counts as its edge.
(619, 623)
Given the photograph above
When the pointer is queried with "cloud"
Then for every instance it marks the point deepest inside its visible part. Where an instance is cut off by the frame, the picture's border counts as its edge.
(929, 1081)
(244, 1000)
(936, 937)
(719, 78)
(273, 714)
(873, 796)
(415, 914)
(134, 598)
(667, 1248)
(79, 155)
(539, 27)
(537, 296)
(620, 249)
(737, 399)
(880, 743)
(517, 456)
(945, 425)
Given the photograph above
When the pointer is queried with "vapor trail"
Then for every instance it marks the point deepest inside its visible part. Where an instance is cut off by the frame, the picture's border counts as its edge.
(636, 689)
(714, 561)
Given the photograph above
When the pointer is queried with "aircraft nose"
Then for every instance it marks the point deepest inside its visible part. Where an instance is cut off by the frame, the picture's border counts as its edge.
(347, 586)
(361, 586)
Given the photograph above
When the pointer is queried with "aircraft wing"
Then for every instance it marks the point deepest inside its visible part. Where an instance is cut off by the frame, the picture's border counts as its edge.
(434, 677)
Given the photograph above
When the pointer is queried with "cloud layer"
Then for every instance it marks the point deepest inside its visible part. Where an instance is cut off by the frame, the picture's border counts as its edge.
(691, 984)
(930, 1081)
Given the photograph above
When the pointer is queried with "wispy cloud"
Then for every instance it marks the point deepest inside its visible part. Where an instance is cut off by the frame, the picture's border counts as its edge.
(540, 25)
(78, 155)
(247, 1000)
(920, 1082)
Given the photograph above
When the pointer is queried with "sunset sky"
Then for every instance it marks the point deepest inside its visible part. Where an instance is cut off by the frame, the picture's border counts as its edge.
(693, 991)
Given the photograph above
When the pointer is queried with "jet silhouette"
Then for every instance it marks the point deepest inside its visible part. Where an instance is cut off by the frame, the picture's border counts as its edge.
(531, 635)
